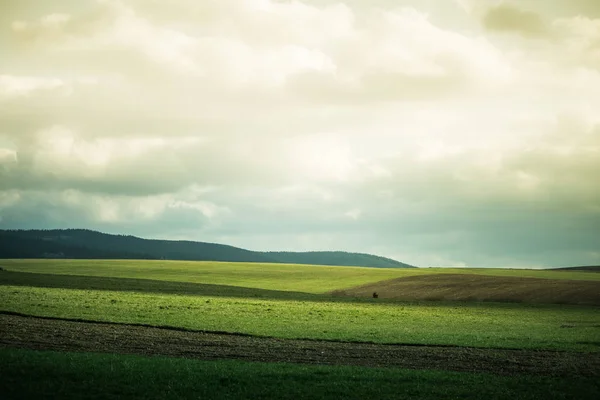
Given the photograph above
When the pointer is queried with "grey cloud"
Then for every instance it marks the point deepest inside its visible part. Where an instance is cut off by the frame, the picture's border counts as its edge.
(166, 169)
(506, 18)
(50, 210)
(375, 86)
(590, 8)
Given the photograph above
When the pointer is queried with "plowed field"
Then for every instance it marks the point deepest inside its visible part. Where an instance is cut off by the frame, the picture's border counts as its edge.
(68, 335)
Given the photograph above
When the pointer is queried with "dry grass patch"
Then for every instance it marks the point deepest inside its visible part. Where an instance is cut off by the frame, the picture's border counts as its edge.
(469, 287)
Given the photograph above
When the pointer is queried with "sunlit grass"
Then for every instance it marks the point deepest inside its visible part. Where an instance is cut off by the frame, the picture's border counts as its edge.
(461, 324)
(309, 279)
(302, 278)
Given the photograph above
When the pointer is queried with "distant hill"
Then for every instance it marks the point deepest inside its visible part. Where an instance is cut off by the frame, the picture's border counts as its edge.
(88, 244)
(336, 258)
(590, 268)
(82, 243)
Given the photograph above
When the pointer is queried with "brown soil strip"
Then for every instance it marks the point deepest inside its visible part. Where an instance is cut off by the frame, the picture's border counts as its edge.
(62, 335)
(470, 287)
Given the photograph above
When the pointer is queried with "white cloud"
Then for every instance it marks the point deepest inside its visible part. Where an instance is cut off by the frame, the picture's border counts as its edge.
(354, 214)
(7, 156)
(14, 86)
(9, 198)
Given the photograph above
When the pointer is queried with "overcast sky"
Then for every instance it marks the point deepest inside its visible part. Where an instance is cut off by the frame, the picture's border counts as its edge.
(436, 132)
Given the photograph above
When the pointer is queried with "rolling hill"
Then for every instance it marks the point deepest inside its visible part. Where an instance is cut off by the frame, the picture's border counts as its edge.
(88, 244)
(336, 258)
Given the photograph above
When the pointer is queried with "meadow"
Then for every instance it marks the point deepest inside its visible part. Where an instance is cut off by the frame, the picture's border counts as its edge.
(289, 302)
(494, 325)
(284, 277)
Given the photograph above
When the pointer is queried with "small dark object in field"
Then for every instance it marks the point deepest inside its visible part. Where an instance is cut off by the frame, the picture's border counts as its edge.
(1, 269)
(375, 295)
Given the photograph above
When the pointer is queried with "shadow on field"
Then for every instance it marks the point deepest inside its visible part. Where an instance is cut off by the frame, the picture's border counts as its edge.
(389, 293)
(144, 286)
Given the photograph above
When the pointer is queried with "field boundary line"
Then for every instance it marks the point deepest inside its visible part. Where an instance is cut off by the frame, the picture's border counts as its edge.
(241, 334)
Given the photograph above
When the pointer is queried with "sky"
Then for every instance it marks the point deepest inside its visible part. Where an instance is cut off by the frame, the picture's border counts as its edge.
(435, 132)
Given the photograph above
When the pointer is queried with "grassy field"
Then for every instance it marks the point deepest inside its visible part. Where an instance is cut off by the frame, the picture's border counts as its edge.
(26, 374)
(280, 301)
(286, 277)
(462, 324)
(282, 277)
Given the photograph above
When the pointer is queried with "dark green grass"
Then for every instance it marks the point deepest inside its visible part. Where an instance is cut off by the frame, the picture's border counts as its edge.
(28, 374)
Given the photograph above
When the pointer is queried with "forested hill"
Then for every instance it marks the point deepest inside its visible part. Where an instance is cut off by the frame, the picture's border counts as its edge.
(336, 258)
(82, 243)
(87, 244)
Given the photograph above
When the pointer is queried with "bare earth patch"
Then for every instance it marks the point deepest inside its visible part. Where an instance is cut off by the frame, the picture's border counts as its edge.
(65, 335)
(469, 287)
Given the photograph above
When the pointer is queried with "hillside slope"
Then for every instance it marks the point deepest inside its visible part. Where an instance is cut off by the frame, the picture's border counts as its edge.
(334, 258)
(87, 244)
(471, 287)
(81, 243)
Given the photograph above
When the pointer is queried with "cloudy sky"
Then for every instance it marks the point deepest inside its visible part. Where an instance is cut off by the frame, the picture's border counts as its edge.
(436, 132)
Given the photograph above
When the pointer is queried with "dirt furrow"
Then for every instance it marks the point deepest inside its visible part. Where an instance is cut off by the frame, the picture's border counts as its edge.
(63, 335)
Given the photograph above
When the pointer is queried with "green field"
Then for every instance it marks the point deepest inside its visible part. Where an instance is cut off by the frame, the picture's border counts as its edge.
(257, 299)
(303, 278)
(283, 277)
(462, 324)
(282, 301)
(26, 374)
